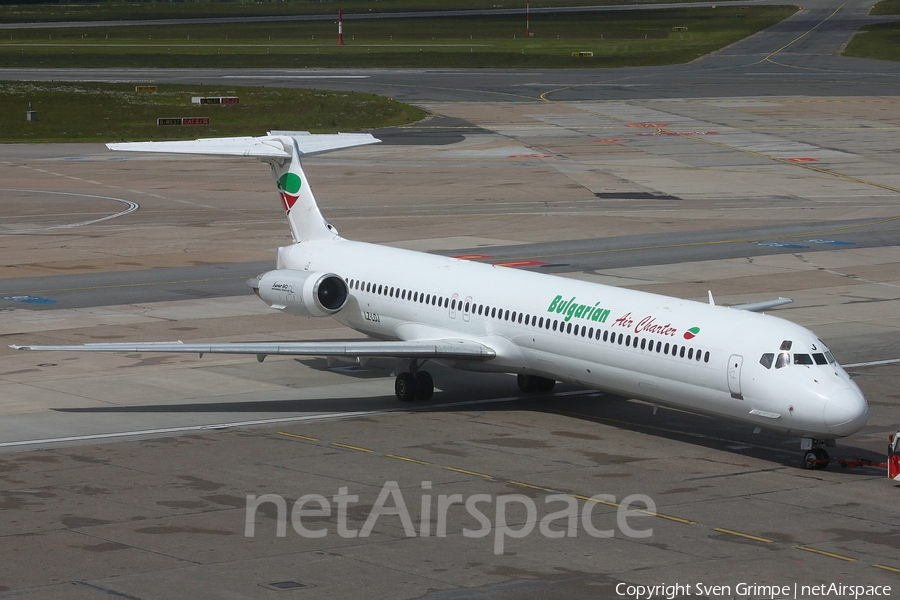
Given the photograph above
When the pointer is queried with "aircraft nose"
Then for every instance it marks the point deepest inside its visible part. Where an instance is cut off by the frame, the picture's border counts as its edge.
(846, 412)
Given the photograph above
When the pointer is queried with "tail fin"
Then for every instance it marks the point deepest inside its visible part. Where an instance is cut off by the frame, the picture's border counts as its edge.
(282, 150)
(300, 206)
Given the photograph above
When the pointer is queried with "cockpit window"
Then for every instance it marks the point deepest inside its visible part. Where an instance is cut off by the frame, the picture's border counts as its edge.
(766, 360)
(830, 358)
(803, 359)
(786, 345)
(820, 359)
(783, 360)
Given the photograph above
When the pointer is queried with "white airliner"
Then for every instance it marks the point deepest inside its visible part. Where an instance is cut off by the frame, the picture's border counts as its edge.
(719, 361)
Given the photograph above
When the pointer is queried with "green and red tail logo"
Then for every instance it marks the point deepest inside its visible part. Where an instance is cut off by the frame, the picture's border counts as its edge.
(289, 185)
(691, 333)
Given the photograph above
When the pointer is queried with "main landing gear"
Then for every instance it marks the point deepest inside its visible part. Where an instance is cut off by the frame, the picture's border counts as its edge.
(533, 383)
(814, 457)
(414, 385)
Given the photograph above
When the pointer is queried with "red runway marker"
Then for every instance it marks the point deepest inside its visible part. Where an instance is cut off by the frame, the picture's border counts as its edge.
(647, 125)
(803, 160)
(471, 256)
(611, 140)
(521, 263)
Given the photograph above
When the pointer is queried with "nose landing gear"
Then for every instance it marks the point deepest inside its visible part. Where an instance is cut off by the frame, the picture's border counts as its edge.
(816, 459)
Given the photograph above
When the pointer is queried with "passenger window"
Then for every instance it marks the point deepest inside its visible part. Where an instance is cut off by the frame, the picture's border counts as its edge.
(681, 354)
(590, 332)
(666, 349)
(820, 359)
(506, 316)
(467, 307)
(554, 324)
(541, 322)
(691, 354)
(803, 359)
(620, 339)
(706, 357)
(453, 304)
(783, 360)
(766, 360)
(569, 328)
(605, 336)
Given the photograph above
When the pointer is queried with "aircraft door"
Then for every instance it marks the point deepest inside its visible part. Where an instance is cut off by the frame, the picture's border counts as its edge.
(454, 300)
(734, 376)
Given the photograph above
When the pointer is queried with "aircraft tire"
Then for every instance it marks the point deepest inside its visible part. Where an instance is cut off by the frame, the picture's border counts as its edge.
(424, 385)
(823, 456)
(812, 458)
(545, 385)
(405, 387)
(527, 383)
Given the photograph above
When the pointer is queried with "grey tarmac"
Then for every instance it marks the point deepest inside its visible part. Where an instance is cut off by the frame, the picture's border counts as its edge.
(129, 475)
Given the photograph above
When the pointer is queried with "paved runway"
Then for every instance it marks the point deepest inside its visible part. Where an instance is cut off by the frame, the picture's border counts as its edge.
(769, 169)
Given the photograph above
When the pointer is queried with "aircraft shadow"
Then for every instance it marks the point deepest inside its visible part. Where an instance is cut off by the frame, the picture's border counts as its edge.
(498, 393)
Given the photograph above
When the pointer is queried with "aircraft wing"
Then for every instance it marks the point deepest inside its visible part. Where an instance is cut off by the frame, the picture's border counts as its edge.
(420, 349)
(764, 305)
(275, 145)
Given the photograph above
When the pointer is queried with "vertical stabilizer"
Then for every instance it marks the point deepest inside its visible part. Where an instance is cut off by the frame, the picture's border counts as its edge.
(300, 206)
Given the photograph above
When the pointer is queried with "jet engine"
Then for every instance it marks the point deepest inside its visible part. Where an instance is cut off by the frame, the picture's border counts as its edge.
(301, 293)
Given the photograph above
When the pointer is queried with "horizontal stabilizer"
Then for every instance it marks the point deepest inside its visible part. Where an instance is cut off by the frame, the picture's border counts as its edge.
(275, 145)
(764, 305)
(425, 349)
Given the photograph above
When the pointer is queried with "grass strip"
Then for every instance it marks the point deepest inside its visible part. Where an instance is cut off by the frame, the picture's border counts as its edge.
(881, 41)
(37, 12)
(101, 112)
(625, 38)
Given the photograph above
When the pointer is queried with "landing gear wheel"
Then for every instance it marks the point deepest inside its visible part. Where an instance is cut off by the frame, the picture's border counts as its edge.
(533, 383)
(545, 385)
(527, 383)
(405, 387)
(816, 459)
(424, 385)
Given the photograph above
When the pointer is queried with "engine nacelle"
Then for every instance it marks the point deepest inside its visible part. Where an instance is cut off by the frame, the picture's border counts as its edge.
(302, 293)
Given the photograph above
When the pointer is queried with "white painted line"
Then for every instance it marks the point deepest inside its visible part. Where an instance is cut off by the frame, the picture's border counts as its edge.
(263, 76)
(213, 426)
(873, 363)
(131, 207)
